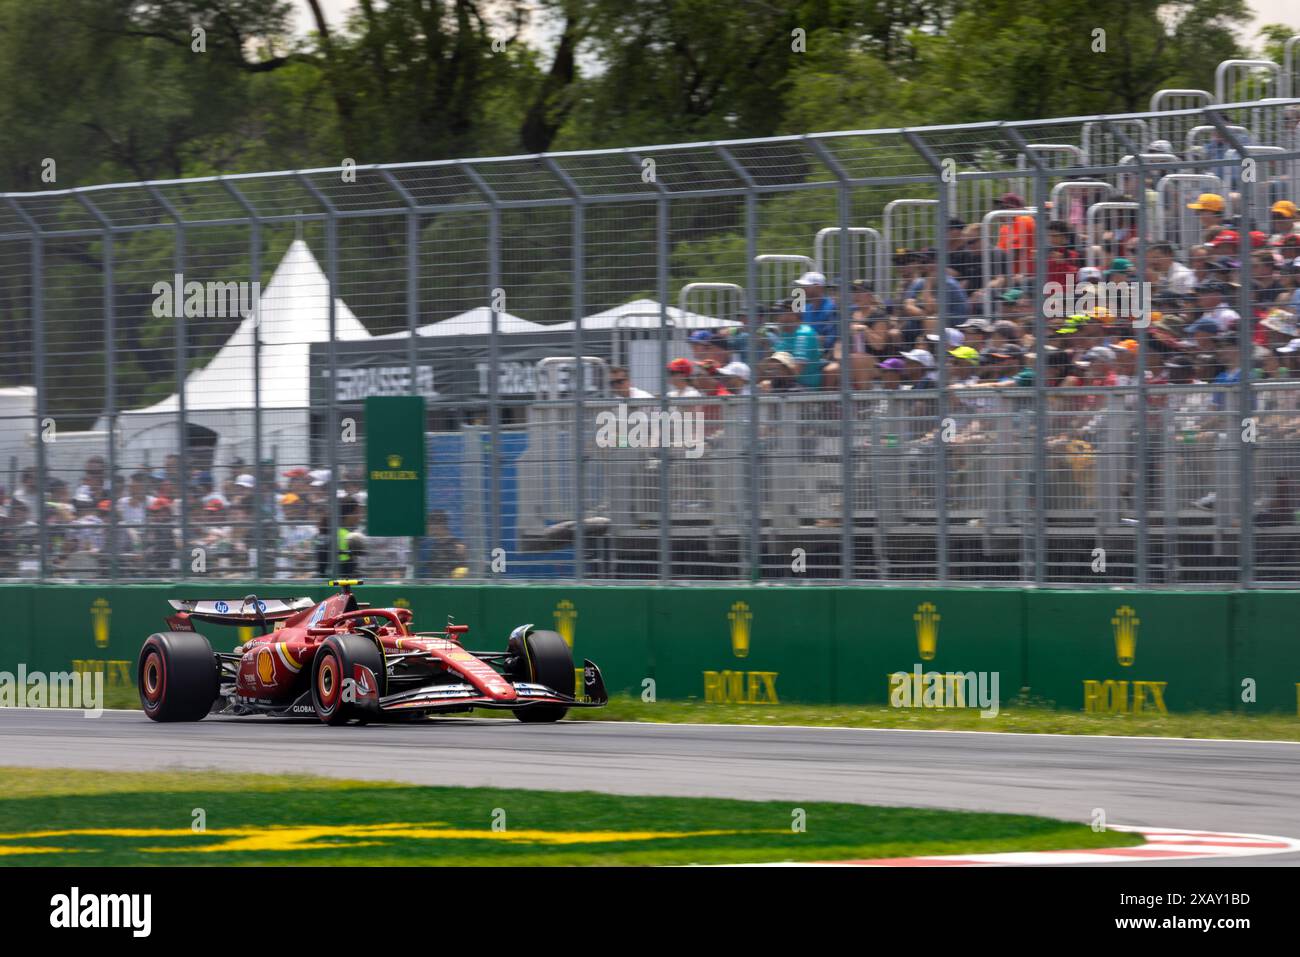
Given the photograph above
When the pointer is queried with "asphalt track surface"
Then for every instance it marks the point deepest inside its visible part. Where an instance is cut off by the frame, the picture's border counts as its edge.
(1216, 785)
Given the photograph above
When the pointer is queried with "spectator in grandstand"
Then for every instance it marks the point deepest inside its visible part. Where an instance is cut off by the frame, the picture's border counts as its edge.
(1211, 300)
(779, 372)
(799, 340)
(159, 550)
(999, 263)
(1063, 258)
(679, 380)
(709, 345)
(1016, 238)
(919, 298)
(820, 309)
(438, 551)
(299, 482)
(620, 384)
(963, 262)
(1282, 216)
(26, 492)
(297, 537)
(1166, 274)
(1265, 280)
(131, 507)
(862, 294)
(1013, 304)
(350, 542)
(91, 486)
(921, 369)
(1228, 356)
(889, 373)
(736, 376)
(977, 330)
(1209, 209)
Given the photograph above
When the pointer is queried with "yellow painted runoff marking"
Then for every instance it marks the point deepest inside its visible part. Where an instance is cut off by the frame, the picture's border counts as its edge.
(309, 837)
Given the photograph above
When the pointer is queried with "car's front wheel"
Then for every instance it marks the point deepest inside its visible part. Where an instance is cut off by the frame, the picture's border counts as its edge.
(545, 660)
(348, 678)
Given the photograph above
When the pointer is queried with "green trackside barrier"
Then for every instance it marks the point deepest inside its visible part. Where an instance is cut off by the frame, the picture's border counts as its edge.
(1266, 653)
(886, 637)
(1131, 652)
(1112, 651)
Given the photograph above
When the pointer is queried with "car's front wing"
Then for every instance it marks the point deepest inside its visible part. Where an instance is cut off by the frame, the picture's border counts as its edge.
(458, 696)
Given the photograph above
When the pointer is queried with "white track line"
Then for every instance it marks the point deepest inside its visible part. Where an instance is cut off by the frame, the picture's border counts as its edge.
(1162, 844)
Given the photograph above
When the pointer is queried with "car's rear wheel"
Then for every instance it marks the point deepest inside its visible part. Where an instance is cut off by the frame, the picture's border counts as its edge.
(545, 660)
(340, 692)
(177, 676)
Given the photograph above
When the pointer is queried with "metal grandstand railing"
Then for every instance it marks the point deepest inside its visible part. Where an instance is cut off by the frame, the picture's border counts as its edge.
(125, 357)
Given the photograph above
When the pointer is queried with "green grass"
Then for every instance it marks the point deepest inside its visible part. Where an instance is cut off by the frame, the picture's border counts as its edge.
(1016, 716)
(84, 818)
(1020, 716)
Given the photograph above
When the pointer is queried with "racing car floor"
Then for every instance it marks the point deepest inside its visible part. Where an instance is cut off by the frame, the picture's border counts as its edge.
(1225, 785)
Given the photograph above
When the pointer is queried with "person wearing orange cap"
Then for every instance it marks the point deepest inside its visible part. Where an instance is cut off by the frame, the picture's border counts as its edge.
(1283, 217)
(1209, 209)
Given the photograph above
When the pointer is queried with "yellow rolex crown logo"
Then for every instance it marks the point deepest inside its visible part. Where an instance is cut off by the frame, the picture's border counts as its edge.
(1125, 624)
(740, 616)
(927, 630)
(566, 613)
(394, 461)
(99, 614)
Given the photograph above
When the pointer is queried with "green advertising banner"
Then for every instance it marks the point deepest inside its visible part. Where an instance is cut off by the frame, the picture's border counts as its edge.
(1115, 652)
(395, 465)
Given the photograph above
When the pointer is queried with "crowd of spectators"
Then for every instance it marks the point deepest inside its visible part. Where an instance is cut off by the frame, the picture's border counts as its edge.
(893, 339)
(133, 524)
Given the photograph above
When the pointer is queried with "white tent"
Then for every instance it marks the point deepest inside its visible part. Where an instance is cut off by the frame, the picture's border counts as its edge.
(644, 314)
(473, 322)
(293, 313)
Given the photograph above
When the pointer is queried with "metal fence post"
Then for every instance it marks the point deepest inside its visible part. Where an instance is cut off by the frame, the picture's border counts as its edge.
(37, 274)
(580, 370)
(494, 358)
(255, 273)
(1246, 347)
(1142, 553)
(110, 378)
(940, 355)
(752, 324)
(331, 414)
(182, 370)
(663, 224)
(1040, 355)
(845, 210)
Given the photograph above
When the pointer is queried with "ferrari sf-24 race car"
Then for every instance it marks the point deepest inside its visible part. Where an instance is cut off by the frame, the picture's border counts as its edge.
(342, 660)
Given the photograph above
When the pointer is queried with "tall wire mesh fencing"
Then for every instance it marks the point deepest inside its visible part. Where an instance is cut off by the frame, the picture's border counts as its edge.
(852, 356)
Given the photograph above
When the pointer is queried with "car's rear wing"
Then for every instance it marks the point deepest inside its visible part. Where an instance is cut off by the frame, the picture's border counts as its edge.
(247, 611)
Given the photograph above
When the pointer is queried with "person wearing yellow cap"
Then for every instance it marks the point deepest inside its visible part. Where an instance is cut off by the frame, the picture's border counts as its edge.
(1209, 209)
(1283, 215)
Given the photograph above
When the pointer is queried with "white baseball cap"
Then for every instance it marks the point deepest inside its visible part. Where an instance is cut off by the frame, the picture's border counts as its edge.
(811, 279)
(738, 369)
(920, 356)
(245, 481)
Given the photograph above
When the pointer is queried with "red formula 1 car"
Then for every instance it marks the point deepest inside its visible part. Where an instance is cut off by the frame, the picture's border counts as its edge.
(341, 660)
